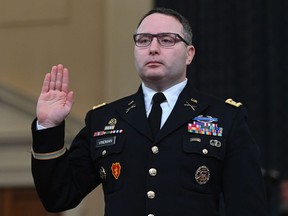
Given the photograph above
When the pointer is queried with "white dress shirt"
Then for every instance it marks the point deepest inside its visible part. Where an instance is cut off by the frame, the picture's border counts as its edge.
(167, 106)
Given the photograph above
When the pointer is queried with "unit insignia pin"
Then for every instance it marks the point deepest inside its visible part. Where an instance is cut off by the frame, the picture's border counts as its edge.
(202, 175)
(102, 173)
(116, 170)
(111, 124)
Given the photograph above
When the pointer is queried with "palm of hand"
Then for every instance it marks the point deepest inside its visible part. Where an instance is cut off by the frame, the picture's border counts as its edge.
(53, 107)
(55, 101)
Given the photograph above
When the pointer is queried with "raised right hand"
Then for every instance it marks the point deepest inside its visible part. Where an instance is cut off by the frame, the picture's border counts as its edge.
(55, 101)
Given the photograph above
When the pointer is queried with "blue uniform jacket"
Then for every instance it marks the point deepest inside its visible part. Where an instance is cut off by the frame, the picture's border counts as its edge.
(203, 150)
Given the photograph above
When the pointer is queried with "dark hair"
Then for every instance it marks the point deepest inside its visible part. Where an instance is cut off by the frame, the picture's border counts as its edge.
(169, 12)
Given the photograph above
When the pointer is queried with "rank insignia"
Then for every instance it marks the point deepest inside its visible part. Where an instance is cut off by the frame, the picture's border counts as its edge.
(205, 125)
(202, 175)
(116, 170)
(233, 103)
(102, 173)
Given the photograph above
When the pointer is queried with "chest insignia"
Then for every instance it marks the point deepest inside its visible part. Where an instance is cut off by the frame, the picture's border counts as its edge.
(202, 175)
(111, 124)
(205, 125)
(116, 170)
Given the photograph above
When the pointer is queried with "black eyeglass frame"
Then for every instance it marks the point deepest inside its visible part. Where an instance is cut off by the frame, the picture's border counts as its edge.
(157, 35)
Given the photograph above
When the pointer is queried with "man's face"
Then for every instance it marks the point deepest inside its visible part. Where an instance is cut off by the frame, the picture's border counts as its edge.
(162, 67)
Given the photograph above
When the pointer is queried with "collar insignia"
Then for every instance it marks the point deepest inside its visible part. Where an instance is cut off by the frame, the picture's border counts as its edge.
(191, 103)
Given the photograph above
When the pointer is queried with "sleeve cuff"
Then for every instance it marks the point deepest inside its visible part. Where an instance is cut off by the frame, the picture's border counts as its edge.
(48, 141)
(50, 155)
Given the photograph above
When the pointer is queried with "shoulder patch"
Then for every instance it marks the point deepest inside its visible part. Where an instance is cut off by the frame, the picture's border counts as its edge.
(233, 103)
(98, 106)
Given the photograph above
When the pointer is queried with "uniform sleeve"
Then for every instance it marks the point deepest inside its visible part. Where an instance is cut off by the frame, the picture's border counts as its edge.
(243, 185)
(62, 177)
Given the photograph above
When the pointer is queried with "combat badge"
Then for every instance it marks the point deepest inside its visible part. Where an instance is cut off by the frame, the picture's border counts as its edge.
(202, 175)
(116, 170)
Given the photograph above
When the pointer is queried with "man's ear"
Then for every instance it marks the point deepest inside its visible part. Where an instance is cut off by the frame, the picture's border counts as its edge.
(190, 52)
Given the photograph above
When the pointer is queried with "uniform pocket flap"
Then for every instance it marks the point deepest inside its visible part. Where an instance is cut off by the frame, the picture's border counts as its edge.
(208, 146)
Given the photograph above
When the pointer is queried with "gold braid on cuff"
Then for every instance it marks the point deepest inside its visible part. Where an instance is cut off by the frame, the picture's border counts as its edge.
(50, 155)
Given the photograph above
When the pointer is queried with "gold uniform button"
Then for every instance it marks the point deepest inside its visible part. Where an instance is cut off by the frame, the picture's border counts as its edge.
(152, 172)
(150, 215)
(155, 149)
(151, 194)
(104, 152)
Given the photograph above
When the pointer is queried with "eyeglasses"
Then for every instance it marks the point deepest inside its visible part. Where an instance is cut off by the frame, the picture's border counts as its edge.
(164, 39)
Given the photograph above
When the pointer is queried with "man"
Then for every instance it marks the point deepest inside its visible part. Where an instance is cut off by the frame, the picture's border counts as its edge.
(203, 150)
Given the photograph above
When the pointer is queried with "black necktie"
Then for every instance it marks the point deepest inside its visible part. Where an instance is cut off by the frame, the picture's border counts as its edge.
(155, 115)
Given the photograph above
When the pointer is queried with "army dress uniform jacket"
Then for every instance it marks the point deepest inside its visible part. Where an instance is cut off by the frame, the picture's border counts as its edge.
(203, 149)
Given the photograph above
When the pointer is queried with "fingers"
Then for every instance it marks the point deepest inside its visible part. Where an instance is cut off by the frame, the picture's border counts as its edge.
(46, 83)
(59, 76)
(53, 75)
(65, 80)
(57, 79)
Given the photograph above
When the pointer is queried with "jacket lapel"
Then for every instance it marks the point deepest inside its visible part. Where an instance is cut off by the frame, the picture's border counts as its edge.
(134, 113)
(190, 104)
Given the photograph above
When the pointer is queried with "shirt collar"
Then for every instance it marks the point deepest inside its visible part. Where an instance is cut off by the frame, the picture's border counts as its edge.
(171, 94)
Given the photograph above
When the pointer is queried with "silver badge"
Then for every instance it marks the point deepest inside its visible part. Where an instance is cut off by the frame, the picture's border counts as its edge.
(202, 175)
(215, 143)
(102, 173)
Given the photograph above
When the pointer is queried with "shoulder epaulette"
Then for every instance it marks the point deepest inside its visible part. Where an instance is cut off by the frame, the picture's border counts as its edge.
(98, 106)
(233, 103)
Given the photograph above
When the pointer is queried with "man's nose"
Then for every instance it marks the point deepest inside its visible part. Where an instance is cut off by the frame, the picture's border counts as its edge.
(154, 46)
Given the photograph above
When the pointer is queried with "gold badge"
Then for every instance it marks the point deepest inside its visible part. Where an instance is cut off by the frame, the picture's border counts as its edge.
(233, 103)
(202, 175)
(111, 124)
